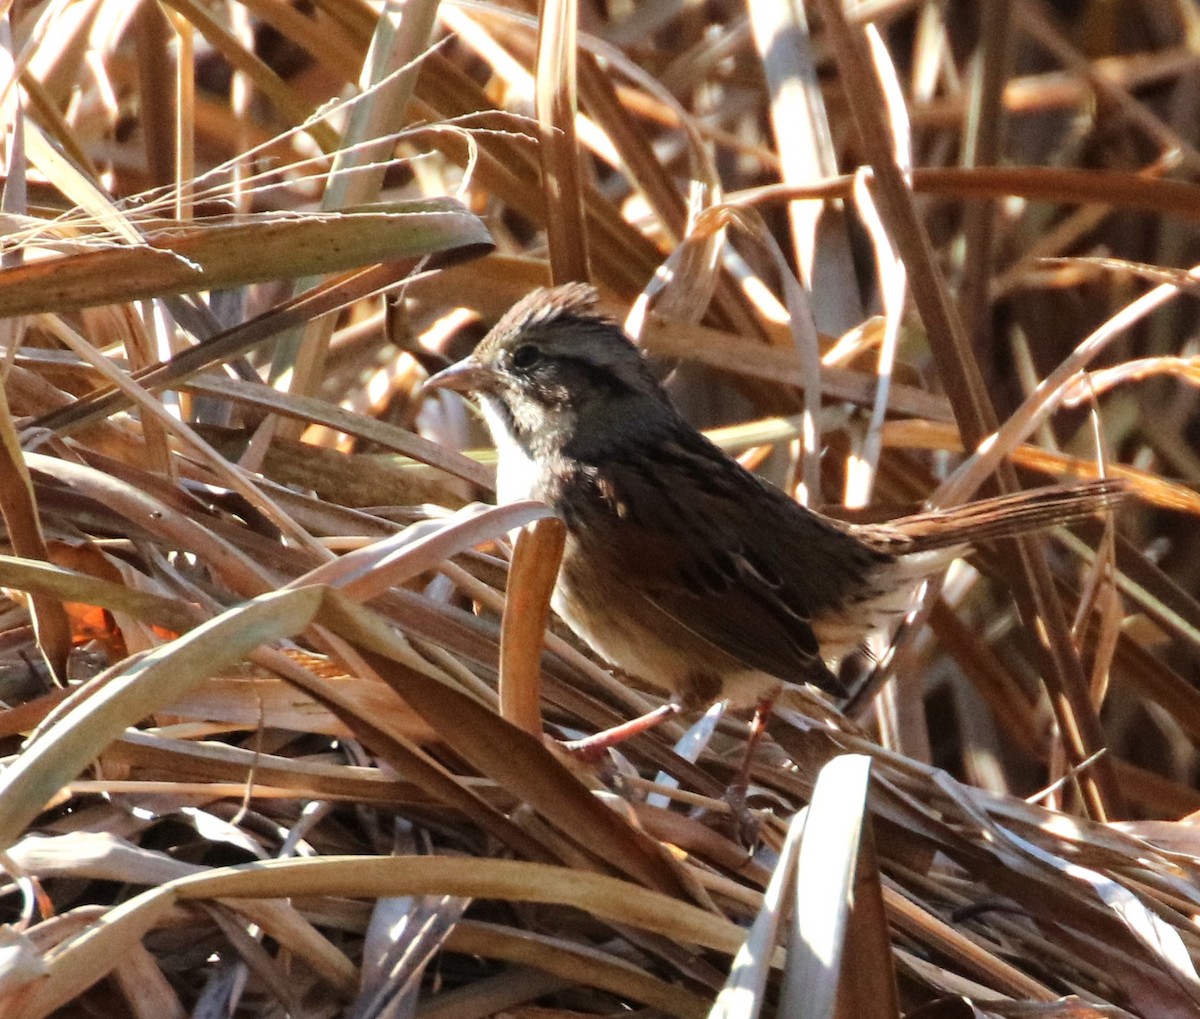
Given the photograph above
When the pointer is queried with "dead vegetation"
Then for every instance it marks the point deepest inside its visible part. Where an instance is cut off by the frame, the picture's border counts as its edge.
(275, 698)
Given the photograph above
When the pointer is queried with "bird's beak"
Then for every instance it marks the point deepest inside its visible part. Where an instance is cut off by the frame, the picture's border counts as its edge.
(467, 376)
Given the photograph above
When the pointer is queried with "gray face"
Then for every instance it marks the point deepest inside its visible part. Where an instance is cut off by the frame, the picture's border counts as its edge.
(560, 377)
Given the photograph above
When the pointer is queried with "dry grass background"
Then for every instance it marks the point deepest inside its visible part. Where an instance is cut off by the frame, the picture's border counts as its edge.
(274, 741)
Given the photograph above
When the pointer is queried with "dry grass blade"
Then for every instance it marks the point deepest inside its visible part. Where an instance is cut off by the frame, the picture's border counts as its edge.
(537, 553)
(405, 933)
(797, 113)
(389, 73)
(370, 571)
(518, 761)
(1097, 382)
(826, 867)
(131, 693)
(21, 519)
(213, 256)
(229, 344)
(17, 501)
(292, 633)
(71, 585)
(743, 993)
(576, 965)
(83, 960)
(388, 741)
(974, 411)
(948, 340)
(557, 102)
(319, 412)
(874, 992)
(285, 98)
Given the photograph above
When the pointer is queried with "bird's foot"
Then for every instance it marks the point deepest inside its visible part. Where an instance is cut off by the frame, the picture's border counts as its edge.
(743, 822)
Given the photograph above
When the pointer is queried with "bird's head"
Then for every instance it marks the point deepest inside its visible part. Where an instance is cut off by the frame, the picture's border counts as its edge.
(555, 372)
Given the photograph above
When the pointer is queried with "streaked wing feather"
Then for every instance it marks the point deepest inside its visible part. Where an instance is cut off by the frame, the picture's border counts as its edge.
(753, 626)
(748, 590)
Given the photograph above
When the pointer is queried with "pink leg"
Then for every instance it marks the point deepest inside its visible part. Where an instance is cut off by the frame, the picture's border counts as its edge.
(758, 726)
(591, 748)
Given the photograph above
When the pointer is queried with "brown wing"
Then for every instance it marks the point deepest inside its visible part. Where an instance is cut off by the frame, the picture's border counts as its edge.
(730, 558)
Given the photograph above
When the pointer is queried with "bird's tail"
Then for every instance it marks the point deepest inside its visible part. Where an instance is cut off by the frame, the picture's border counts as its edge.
(1007, 515)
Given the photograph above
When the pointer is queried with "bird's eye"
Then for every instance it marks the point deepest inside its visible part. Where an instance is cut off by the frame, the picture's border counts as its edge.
(526, 356)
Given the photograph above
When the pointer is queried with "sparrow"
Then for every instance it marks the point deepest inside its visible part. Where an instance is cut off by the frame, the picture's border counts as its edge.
(681, 567)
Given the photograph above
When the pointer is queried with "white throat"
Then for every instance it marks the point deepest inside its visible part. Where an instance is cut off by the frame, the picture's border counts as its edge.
(516, 474)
